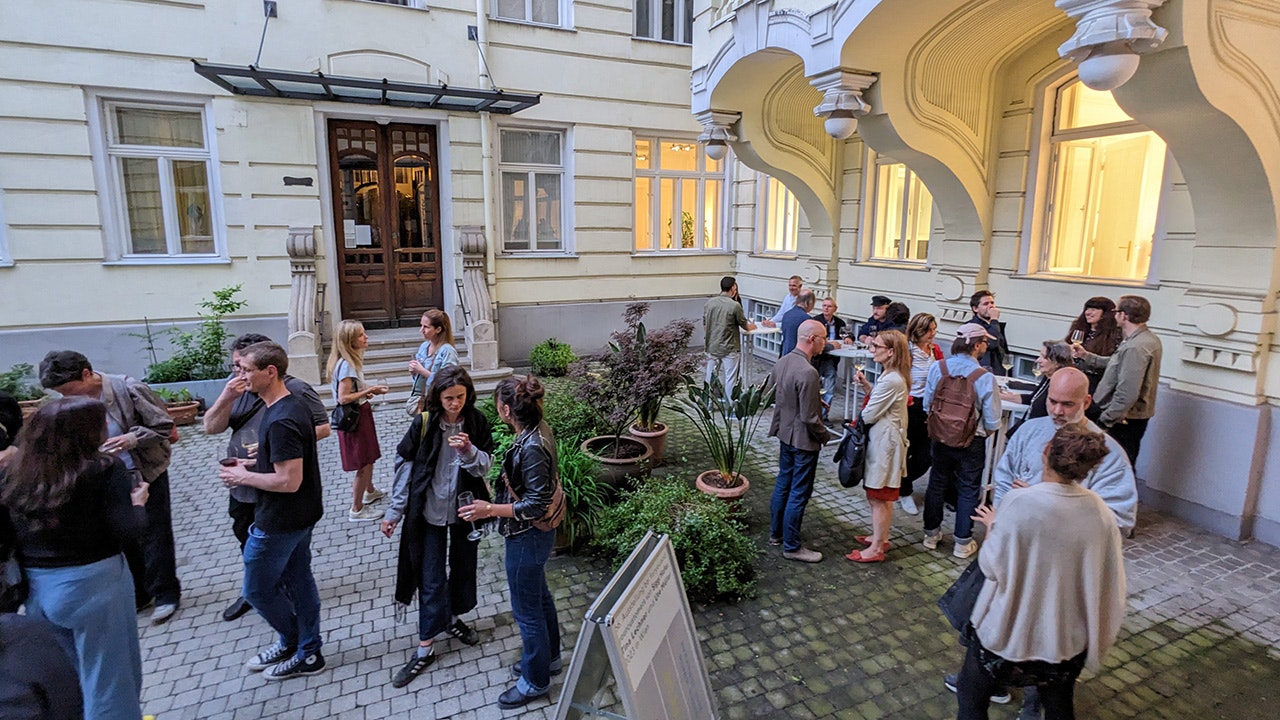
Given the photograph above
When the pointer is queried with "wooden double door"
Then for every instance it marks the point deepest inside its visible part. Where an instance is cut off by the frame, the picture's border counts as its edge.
(386, 206)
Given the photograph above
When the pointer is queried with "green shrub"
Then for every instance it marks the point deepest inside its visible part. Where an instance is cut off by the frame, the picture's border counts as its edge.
(199, 355)
(571, 418)
(584, 497)
(20, 381)
(551, 358)
(716, 556)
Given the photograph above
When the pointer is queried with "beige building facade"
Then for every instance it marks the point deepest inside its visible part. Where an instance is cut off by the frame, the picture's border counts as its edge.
(1048, 152)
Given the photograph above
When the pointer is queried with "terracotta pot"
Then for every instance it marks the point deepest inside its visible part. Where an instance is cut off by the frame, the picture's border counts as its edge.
(621, 473)
(183, 413)
(656, 439)
(29, 407)
(732, 495)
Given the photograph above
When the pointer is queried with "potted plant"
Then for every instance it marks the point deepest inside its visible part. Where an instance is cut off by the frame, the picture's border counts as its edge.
(199, 361)
(181, 406)
(726, 421)
(638, 369)
(20, 382)
(551, 358)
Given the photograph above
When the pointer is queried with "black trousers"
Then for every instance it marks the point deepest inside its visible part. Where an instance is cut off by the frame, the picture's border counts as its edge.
(976, 683)
(1129, 434)
(152, 561)
(919, 450)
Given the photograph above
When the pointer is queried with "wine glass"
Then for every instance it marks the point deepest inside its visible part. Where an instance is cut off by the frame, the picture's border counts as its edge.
(1077, 337)
(465, 499)
(379, 399)
(1006, 362)
(249, 441)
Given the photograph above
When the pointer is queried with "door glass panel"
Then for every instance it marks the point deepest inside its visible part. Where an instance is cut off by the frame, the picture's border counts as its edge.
(412, 212)
(144, 205)
(360, 197)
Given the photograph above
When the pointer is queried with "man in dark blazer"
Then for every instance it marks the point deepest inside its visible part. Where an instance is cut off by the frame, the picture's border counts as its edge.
(797, 423)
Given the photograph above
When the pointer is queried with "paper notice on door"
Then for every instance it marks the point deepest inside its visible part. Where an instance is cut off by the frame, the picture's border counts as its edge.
(348, 233)
(364, 235)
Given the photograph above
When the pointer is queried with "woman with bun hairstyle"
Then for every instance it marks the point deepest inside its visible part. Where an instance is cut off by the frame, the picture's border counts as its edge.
(524, 494)
(1054, 594)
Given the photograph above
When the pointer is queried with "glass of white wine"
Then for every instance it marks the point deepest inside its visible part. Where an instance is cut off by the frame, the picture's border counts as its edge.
(381, 398)
(1077, 337)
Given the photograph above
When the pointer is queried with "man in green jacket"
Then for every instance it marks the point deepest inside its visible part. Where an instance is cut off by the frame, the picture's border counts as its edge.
(722, 318)
(1127, 393)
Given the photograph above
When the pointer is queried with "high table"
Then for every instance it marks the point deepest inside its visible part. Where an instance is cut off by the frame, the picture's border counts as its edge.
(1010, 413)
(848, 355)
(745, 348)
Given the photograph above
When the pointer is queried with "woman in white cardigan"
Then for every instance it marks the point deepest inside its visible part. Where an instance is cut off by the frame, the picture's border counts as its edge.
(1054, 593)
(887, 440)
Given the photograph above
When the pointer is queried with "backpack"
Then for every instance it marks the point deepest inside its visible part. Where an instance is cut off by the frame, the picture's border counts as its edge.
(953, 413)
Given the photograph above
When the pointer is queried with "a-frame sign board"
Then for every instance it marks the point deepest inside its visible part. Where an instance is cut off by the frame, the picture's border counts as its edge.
(640, 633)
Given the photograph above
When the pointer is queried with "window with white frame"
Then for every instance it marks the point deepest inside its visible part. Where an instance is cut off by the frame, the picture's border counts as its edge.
(665, 20)
(679, 196)
(777, 216)
(901, 212)
(531, 165)
(5, 258)
(768, 343)
(539, 12)
(420, 4)
(159, 167)
(1106, 174)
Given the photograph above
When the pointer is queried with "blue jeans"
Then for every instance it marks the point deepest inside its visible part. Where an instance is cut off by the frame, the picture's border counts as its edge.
(91, 607)
(791, 492)
(441, 596)
(278, 584)
(963, 466)
(828, 368)
(533, 607)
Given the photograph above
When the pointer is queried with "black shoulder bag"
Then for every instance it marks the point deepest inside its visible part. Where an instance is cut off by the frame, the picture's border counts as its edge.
(851, 455)
(346, 418)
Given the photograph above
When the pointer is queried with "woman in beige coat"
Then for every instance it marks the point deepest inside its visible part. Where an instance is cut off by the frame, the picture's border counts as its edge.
(887, 441)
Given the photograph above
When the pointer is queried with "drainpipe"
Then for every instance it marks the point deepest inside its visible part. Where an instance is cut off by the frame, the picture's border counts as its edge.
(486, 158)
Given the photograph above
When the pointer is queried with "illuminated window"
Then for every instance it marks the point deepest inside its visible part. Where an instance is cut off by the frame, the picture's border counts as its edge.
(778, 217)
(902, 213)
(539, 12)
(162, 202)
(1106, 174)
(665, 20)
(531, 164)
(679, 196)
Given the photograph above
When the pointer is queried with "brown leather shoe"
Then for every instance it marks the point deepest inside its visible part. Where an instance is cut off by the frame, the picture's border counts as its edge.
(804, 554)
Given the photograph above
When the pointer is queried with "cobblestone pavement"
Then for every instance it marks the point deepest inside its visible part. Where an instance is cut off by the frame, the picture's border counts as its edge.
(832, 640)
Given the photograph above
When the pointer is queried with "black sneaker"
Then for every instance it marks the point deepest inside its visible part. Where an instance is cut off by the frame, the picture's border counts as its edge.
(557, 665)
(412, 669)
(236, 609)
(273, 655)
(464, 632)
(999, 697)
(295, 667)
(513, 698)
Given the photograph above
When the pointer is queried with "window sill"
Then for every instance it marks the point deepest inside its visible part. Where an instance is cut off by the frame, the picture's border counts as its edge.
(527, 23)
(660, 41)
(678, 253)
(894, 264)
(167, 260)
(1088, 280)
(543, 255)
(421, 8)
(774, 255)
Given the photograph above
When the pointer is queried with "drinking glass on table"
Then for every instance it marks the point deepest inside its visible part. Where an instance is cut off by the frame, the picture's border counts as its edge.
(465, 499)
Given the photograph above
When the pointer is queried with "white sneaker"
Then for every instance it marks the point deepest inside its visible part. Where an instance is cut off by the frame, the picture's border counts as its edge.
(964, 550)
(373, 496)
(365, 514)
(908, 505)
(931, 540)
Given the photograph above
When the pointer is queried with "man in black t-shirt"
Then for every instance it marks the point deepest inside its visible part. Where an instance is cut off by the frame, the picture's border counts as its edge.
(241, 410)
(278, 582)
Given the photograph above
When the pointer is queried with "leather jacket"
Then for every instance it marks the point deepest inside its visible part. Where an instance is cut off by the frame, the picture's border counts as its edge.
(530, 468)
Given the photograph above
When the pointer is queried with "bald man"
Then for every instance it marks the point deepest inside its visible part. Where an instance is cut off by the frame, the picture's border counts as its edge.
(797, 423)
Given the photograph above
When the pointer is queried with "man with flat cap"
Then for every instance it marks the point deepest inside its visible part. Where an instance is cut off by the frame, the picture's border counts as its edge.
(878, 321)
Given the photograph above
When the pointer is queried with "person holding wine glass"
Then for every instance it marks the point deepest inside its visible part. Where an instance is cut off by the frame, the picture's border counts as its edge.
(1096, 331)
(1054, 355)
(358, 448)
(448, 450)
(435, 352)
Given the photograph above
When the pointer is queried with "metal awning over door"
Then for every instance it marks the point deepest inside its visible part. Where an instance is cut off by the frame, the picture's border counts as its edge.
(261, 82)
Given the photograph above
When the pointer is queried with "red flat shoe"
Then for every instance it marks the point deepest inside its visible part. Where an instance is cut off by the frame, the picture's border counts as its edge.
(866, 540)
(858, 557)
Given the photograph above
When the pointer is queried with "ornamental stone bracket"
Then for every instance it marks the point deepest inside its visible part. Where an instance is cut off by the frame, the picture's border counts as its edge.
(842, 102)
(717, 131)
(1110, 34)
(1195, 351)
(482, 343)
(303, 344)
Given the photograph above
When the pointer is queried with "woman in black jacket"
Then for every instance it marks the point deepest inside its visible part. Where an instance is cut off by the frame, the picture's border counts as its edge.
(451, 448)
(525, 493)
(72, 508)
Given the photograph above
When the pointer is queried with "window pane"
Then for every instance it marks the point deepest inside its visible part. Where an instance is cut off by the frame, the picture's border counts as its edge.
(688, 212)
(546, 11)
(530, 147)
(515, 210)
(1080, 106)
(687, 35)
(149, 126)
(191, 186)
(144, 206)
(668, 19)
(643, 20)
(511, 9)
(549, 211)
(890, 197)
(644, 213)
(712, 165)
(782, 222)
(679, 156)
(711, 214)
(1106, 194)
(919, 221)
(644, 153)
(666, 212)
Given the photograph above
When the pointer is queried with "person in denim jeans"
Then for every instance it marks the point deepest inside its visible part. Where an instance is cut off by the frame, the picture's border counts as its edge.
(529, 482)
(278, 582)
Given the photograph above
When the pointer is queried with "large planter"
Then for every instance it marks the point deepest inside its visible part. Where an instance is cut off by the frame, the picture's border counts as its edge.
(623, 472)
(207, 390)
(656, 439)
(183, 413)
(709, 483)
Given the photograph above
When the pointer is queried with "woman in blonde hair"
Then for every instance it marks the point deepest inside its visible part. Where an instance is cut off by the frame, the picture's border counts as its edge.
(886, 413)
(359, 448)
